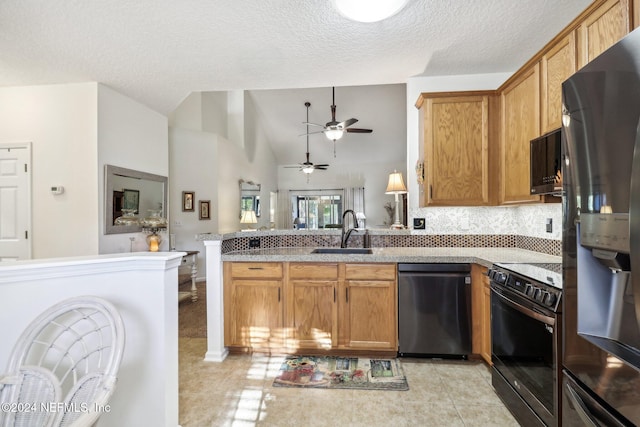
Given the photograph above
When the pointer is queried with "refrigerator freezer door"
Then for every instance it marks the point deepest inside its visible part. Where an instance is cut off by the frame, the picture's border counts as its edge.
(634, 223)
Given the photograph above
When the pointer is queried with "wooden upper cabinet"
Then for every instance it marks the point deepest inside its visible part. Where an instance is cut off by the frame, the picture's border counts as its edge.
(556, 65)
(455, 135)
(602, 28)
(520, 124)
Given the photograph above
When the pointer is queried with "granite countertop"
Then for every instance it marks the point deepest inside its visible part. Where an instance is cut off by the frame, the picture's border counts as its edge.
(483, 256)
(303, 232)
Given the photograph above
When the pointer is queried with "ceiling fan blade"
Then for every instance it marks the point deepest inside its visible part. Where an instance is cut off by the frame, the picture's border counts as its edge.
(312, 124)
(320, 169)
(322, 166)
(312, 133)
(347, 123)
(358, 130)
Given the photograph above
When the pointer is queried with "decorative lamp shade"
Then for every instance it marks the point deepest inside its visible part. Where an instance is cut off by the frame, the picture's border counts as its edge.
(248, 217)
(396, 184)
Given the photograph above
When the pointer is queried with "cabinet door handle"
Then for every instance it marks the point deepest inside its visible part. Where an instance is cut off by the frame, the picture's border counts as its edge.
(334, 294)
(347, 293)
(278, 294)
(256, 268)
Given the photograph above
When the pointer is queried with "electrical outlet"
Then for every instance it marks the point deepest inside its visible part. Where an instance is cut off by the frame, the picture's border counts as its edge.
(549, 225)
(254, 243)
(177, 224)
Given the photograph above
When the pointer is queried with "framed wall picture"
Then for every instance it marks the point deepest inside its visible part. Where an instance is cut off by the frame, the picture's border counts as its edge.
(188, 198)
(131, 199)
(205, 209)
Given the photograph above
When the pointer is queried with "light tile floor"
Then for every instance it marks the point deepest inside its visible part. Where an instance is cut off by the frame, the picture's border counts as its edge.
(239, 392)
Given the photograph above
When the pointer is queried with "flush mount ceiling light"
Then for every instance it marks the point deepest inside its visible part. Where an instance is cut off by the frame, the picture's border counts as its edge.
(368, 10)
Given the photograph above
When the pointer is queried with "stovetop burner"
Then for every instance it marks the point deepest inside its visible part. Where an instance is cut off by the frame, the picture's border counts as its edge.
(547, 273)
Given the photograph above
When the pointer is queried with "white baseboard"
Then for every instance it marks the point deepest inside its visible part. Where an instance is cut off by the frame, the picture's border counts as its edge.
(216, 356)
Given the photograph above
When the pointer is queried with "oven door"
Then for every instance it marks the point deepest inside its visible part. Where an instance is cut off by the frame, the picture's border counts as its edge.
(524, 346)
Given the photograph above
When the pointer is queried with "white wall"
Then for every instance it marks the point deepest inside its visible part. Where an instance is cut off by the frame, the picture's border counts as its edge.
(361, 160)
(143, 288)
(132, 136)
(192, 167)
(60, 121)
(204, 159)
(76, 129)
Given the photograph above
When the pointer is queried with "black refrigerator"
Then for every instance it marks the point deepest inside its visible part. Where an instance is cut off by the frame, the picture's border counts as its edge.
(601, 239)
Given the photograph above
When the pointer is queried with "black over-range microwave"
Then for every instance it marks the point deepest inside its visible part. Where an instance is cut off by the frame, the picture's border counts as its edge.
(546, 172)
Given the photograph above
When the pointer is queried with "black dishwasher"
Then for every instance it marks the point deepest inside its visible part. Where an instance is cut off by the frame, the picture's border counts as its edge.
(434, 310)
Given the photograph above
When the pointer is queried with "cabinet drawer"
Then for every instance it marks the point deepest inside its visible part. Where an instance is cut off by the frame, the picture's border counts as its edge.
(370, 271)
(256, 269)
(305, 270)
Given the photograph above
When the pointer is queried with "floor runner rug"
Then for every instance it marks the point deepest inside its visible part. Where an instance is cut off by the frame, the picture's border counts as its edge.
(341, 372)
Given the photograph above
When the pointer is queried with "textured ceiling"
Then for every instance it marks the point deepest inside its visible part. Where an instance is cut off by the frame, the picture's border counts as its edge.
(284, 52)
(159, 51)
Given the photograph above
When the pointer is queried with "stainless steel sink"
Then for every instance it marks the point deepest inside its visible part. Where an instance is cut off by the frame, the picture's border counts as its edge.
(346, 251)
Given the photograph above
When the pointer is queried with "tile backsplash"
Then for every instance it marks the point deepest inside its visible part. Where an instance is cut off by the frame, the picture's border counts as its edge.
(522, 227)
(526, 220)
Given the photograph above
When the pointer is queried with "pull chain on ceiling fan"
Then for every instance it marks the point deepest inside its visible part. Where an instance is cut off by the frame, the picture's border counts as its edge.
(307, 167)
(334, 130)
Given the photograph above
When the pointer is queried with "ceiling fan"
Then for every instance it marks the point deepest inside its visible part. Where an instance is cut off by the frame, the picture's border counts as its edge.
(307, 167)
(334, 129)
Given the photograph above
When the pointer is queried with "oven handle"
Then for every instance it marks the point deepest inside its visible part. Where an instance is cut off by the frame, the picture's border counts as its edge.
(580, 407)
(524, 310)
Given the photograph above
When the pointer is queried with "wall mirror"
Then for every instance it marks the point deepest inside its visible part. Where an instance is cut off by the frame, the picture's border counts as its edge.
(127, 189)
(250, 197)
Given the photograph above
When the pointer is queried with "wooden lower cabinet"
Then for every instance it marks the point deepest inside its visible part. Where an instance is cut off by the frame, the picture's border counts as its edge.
(481, 312)
(369, 314)
(485, 349)
(310, 306)
(253, 307)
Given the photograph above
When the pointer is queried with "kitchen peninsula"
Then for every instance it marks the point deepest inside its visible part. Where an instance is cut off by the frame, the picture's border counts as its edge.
(271, 265)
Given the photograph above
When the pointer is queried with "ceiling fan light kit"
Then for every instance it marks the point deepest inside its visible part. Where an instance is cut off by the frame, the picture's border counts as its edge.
(334, 129)
(334, 134)
(367, 10)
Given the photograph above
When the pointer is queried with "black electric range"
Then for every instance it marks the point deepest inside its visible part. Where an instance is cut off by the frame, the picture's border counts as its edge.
(540, 283)
(526, 340)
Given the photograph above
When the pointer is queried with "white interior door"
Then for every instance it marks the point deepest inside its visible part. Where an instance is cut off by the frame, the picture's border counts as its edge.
(15, 201)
